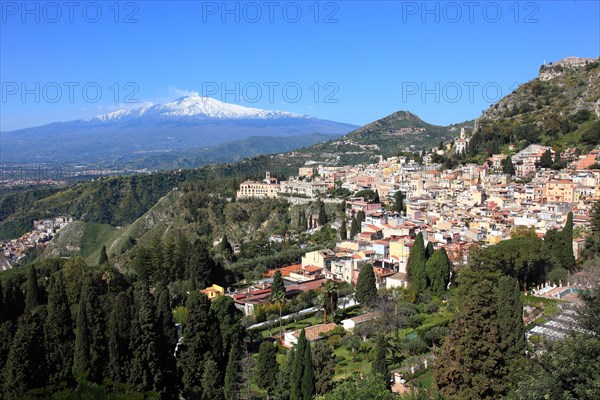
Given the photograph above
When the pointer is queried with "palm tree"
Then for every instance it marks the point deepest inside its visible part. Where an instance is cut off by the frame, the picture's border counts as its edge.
(280, 300)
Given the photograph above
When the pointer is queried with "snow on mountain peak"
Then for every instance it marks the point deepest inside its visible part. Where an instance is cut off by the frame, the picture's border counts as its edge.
(195, 107)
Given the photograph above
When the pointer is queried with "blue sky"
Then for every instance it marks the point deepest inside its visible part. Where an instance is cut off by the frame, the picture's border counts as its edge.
(353, 61)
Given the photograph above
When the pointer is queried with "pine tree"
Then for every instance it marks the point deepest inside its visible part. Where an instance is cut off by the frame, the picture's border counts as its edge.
(266, 364)
(32, 294)
(25, 367)
(202, 340)
(103, 256)
(379, 366)
(58, 332)
(438, 271)
(97, 329)
(366, 289)
(200, 265)
(232, 374)
(343, 230)
(298, 368)
(277, 287)
(324, 366)
(470, 364)
(283, 389)
(119, 340)
(354, 228)
(308, 377)
(416, 264)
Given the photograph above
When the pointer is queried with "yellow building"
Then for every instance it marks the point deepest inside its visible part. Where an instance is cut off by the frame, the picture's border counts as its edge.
(213, 292)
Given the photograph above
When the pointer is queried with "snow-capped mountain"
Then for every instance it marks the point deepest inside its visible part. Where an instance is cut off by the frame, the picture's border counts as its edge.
(194, 107)
(188, 122)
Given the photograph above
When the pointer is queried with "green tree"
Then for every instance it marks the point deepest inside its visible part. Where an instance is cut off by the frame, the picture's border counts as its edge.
(282, 392)
(212, 387)
(103, 256)
(511, 329)
(164, 316)
(355, 388)
(298, 368)
(507, 166)
(323, 218)
(416, 264)
(146, 373)
(202, 340)
(25, 367)
(324, 366)
(379, 366)
(567, 258)
(470, 364)
(429, 249)
(399, 198)
(32, 294)
(438, 271)
(224, 248)
(119, 331)
(58, 332)
(344, 230)
(354, 228)
(230, 321)
(266, 364)
(545, 160)
(277, 287)
(366, 289)
(308, 376)
(233, 374)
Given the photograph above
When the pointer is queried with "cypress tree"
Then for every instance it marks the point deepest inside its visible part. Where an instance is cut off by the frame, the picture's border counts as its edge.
(119, 340)
(229, 318)
(343, 230)
(2, 310)
(202, 340)
(366, 289)
(470, 364)
(103, 256)
(97, 329)
(211, 385)
(429, 250)
(416, 264)
(508, 167)
(32, 294)
(438, 271)
(225, 248)
(323, 218)
(25, 366)
(146, 372)
(379, 366)
(324, 366)
(81, 351)
(58, 332)
(354, 228)
(233, 374)
(511, 329)
(567, 258)
(298, 368)
(308, 377)
(266, 364)
(164, 316)
(277, 287)
(282, 392)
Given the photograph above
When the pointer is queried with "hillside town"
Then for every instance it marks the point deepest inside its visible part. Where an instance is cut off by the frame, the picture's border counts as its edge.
(43, 231)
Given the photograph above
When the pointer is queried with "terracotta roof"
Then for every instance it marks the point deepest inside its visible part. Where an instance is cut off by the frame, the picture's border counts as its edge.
(313, 332)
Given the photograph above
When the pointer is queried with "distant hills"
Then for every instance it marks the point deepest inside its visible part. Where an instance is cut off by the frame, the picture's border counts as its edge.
(191, 124)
